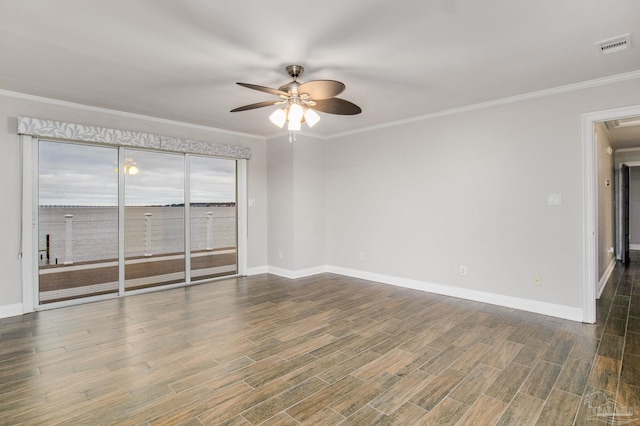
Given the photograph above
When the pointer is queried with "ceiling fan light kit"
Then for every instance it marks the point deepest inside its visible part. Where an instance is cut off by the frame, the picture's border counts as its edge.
(301, 100)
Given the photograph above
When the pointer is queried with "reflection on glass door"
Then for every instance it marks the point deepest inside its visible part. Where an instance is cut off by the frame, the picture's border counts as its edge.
(213, 216)
(80, 230)
(154, 219)
(77, 221)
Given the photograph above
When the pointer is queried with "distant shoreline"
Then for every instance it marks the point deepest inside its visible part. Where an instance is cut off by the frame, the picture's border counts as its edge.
(66, 206)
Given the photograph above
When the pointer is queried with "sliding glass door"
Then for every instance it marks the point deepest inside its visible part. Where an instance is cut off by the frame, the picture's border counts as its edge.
(213, 217)
(153, 219)
(77, 221)
(116, 219)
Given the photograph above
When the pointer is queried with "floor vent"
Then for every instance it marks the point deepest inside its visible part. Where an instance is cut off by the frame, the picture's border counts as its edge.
(615, 44)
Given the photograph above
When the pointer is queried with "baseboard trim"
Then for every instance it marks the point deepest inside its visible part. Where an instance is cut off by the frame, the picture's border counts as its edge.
(257, 270)
(634, 246)
(11, 310)
(301, 273)
(544, 308)
(605, 278)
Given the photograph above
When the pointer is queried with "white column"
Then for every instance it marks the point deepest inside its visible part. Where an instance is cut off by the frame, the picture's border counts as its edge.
(209, 230)
(147, 232)
(68, 227)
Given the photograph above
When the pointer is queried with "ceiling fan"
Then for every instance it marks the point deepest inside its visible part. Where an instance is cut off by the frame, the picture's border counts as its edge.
(301, 100)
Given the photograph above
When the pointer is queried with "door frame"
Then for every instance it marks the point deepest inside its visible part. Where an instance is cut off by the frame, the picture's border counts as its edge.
(622, 213)
(590, 204)
(619, 230)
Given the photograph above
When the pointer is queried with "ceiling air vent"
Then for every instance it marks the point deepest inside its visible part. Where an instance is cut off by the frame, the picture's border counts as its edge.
(615, 44)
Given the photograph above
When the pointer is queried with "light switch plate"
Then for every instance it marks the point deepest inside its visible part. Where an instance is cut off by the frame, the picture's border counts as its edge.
(554, 199)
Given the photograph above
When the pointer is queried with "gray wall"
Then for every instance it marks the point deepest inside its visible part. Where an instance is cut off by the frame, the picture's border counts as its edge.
(419, 199)
(422, 198)
(606, 209)
(634, 207)
(280, 196)
(296, 191)
(10, 163)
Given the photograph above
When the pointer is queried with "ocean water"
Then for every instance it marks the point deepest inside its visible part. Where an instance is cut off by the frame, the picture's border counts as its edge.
(94, 231)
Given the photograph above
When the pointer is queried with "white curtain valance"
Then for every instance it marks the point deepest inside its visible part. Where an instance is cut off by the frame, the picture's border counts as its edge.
(80, 132)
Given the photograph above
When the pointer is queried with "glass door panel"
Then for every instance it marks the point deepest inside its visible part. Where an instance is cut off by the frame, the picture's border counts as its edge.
(154, 219)
(77, 221)
(212, 217)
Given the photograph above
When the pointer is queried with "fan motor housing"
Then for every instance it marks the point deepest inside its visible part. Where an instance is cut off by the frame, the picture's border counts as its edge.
(295, 71)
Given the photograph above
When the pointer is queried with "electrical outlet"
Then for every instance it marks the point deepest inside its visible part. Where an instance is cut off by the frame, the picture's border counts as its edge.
(463, 270)
(537, 280)
(361, 257)
(280, 254)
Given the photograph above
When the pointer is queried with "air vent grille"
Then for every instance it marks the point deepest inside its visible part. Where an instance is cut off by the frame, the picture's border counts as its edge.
(615, 44)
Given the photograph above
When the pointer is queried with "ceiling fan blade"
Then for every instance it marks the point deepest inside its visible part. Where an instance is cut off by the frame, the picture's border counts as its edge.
(337, 106)
(264, 89)
(256, 105)
(321, 89)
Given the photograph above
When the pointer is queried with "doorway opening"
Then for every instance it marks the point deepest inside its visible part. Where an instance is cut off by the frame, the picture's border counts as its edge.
(598, 241)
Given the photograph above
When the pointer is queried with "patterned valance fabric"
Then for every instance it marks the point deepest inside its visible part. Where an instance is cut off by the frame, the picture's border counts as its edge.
(79, 132)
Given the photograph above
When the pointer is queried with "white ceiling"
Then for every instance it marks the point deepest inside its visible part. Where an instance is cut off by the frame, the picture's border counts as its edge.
(179, 60)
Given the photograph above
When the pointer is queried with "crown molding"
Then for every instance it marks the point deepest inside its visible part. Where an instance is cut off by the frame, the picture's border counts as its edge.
(452, 111)
(627, 150)
(497, 102)
(83, 107)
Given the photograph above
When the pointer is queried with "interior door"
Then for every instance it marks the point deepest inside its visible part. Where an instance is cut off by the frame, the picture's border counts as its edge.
(624, 204)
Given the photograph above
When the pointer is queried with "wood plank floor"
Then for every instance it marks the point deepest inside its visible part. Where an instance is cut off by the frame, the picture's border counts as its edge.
(323, 350)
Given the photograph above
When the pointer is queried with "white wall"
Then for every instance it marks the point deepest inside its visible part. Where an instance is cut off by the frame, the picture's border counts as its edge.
(422, 198)
(11, 107)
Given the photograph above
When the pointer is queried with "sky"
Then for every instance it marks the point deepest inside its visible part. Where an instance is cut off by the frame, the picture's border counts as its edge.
(83, 175)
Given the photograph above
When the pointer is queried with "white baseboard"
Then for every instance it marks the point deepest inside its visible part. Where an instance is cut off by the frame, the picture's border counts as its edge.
(11, 310)
(634, 246)
(544, 308)
(287, 273)
(257, 270)
(605, 277)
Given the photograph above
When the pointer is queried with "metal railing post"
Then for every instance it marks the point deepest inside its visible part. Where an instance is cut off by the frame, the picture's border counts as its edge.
(147, 231)
(209, 230)
(68, 227)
